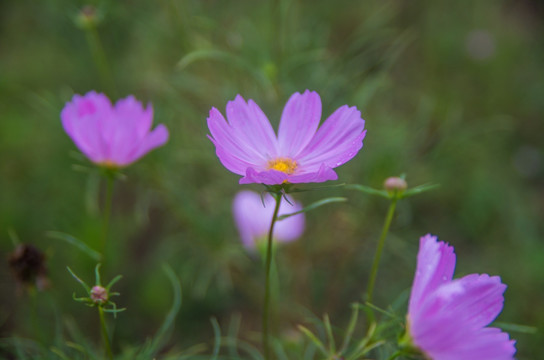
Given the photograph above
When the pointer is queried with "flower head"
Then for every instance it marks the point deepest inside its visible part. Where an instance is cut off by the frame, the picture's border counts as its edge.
(447, 319)
(253, 216)
(99, 294)
(247, 144)
(111, 136)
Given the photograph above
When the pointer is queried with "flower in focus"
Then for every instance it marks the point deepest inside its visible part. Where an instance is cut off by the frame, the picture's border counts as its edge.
(253, 218)
(111, 135)
(98, 295)
(247, 144)
(447, 318)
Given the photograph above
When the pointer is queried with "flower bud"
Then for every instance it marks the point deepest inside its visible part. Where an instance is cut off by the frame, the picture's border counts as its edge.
(87, 17)
(99, 294)
(395, 183)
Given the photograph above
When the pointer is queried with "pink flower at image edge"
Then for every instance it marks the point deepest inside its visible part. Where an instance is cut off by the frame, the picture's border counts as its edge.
(301, 153)
(447, 319)
(112, 136)
(253, 218)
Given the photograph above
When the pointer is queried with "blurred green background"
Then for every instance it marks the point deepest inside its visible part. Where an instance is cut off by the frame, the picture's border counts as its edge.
(452, 93)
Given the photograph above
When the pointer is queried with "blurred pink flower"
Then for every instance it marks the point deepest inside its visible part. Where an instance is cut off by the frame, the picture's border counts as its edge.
(112, 136)
(447, 318)
(247, 144)
(253, 218)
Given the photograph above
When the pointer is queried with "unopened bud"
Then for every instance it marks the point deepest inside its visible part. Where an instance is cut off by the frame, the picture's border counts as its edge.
(99, 294)
(395, 183)
(87, 17)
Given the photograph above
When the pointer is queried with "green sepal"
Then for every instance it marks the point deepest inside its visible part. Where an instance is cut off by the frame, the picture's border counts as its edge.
(87, 288)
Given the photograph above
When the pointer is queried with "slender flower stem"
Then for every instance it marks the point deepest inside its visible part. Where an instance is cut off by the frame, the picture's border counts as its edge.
(379, 249)
(99, 57)
(107, 213)
(105, 336)
(266, 307)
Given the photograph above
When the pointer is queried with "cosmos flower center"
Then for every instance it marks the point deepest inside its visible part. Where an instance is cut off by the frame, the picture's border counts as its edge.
(284, 165)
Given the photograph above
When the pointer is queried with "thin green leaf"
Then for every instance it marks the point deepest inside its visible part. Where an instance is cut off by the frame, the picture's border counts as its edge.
(112, 282)
(374, 307)
(176, 305)
(115, 310)
(226, 58)
(419, 189)
(368, 190)
(314, 339)
(361, 346)
(368, 348)
(95, 255)
(59, 353)
(77, 347)
(314, 206)
(350, 329)
(330, 337)
(81, 299)
(525, 329)
(97, 274)
(211, 54)
(87, 288)
(279, 351)
(316, 188)
(234, 327)
(217, 337)
(250, 350)
(192, 351)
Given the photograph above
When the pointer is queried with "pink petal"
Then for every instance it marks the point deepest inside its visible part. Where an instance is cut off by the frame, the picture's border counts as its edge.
(131, 113)
(299, 122)
(289, 229)
(267, 177)
(82, 119)
(253, 218)
(233, 140)
(478, 302)
(157, 137)
(337, 141)
(482, 344)
(435, 266)
(252, 126)
(124, 132)
(324, 173)
(485, 344)
(250, 217)
(231, 162)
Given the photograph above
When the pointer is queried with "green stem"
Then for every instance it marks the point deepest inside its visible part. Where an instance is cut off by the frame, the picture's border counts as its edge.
(377, 256)
(266, 307)
(105, 336)
(99, 57)
(108, 199)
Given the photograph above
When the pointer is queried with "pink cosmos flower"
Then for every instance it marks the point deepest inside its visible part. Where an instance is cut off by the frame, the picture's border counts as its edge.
(112, 136)
(247, 144)
(447, 318)
(253, 218)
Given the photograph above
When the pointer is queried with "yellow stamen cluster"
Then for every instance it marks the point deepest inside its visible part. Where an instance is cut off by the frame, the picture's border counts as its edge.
(285, 165)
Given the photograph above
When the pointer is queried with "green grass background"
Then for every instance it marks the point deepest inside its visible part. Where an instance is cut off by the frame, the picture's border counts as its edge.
(433, 110)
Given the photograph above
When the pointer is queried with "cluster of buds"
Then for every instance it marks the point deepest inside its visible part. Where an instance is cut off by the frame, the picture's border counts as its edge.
(98, 294)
